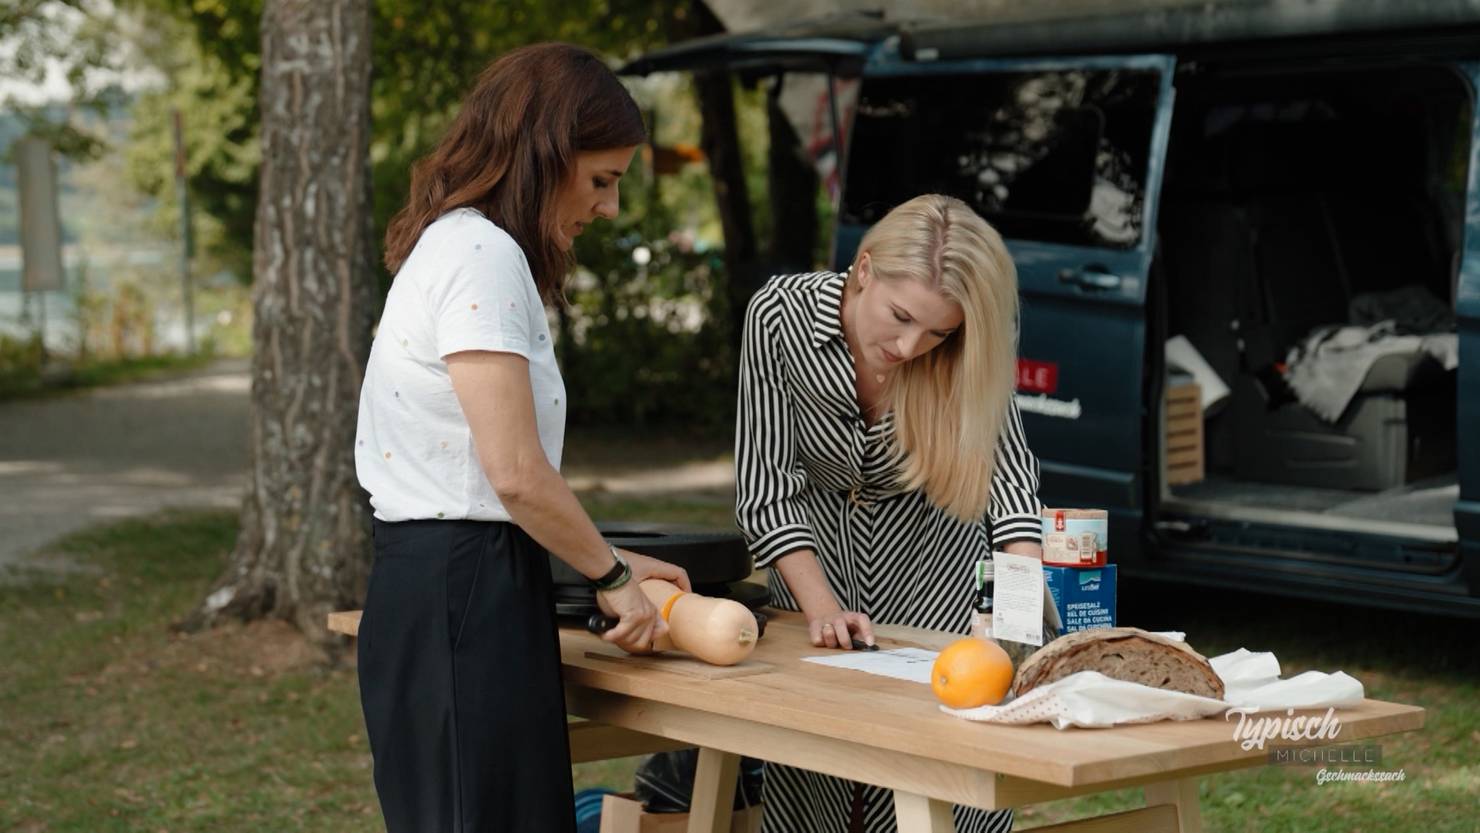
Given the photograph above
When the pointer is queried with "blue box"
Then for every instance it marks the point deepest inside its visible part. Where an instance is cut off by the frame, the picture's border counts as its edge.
(1085, 596)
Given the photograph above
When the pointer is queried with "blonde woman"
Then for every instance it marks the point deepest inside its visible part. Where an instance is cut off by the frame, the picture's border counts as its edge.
(879, 454)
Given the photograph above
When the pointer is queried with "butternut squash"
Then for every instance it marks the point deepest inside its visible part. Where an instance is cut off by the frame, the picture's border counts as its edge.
(718, 631)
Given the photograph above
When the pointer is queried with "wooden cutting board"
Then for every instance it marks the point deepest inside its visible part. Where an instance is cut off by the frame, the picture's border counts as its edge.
(679, 664)
(886, 636)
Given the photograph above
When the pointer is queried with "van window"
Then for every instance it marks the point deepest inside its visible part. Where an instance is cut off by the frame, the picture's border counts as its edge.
(1046, 155)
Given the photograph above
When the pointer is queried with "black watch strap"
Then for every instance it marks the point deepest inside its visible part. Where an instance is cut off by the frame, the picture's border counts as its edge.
(615, 577)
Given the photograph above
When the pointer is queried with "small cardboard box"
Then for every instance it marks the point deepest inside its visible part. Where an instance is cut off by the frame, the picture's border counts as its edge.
(1184, 440)
(623, 814)
(1084, 596)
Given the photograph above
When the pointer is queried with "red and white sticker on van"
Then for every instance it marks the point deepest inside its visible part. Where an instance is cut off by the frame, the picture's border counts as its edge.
(1037, 377)
(1036, 380)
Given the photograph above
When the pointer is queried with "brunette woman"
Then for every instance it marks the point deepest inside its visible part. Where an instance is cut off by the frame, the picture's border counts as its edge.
(461, 426)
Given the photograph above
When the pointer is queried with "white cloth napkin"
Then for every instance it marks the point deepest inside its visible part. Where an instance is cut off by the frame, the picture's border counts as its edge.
(1091, 700)
(1252, 681)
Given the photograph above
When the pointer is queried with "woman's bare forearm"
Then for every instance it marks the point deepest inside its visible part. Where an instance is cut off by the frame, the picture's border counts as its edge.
(807, 584)
(544, 507)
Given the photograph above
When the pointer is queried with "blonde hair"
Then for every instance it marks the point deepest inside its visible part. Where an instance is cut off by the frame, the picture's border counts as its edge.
(950, 403)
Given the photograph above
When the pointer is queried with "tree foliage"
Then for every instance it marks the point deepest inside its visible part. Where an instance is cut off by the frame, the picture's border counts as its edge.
(74, 36)
(216, 97)
(644, 342)
(425, 56)
(648, 337)
(641, 342)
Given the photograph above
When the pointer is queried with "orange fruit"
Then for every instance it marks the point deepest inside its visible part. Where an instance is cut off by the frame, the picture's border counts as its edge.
(971, 672)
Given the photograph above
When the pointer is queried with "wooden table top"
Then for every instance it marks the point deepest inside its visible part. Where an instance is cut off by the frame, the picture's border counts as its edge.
(776, 695)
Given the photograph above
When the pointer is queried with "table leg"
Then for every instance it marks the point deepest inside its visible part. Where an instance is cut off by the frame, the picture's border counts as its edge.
(918, 814)
(1181, 794)
(713, 802)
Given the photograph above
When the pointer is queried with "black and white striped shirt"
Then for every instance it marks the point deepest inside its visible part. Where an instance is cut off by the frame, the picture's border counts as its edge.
(812, 474)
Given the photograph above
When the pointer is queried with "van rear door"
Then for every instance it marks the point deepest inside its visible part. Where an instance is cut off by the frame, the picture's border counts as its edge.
(1064, 157)
(1467, 315)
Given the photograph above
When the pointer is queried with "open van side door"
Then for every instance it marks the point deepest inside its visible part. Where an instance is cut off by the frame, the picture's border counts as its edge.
(1064, 157)
(1467, 315)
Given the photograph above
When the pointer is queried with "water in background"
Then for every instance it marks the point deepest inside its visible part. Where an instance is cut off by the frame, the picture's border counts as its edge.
(54, 314)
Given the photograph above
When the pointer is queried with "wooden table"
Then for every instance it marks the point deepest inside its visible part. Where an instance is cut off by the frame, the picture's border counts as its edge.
(891, 733)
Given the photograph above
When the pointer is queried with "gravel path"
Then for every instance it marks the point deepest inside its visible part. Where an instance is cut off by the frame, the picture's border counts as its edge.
(72, 461)
(68, 462)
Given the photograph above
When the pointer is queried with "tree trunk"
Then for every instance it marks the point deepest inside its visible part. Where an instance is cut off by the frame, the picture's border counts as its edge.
(304, 545)
(719, 138)
(793, 184)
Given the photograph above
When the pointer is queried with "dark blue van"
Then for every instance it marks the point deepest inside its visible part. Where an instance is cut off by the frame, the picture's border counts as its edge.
(1271, 209)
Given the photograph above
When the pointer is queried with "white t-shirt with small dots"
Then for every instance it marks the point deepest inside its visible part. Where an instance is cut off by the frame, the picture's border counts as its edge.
(466, 286)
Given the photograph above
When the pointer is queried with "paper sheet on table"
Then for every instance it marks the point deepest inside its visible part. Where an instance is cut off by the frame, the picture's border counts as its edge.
(1251, 680)
(912, 664)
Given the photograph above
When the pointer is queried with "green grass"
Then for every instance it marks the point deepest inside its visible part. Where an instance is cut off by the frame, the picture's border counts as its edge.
(29, 384)
(111, 722)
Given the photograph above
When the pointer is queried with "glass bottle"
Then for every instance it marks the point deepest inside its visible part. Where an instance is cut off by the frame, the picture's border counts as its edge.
(981, 608)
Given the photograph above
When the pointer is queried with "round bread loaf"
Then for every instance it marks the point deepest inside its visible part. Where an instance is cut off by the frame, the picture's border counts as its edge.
(1129, 654)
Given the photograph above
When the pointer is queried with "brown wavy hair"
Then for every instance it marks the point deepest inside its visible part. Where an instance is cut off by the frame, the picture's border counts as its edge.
(512, 144)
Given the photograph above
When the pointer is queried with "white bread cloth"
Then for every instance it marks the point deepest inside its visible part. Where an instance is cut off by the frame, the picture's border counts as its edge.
(1091, 700)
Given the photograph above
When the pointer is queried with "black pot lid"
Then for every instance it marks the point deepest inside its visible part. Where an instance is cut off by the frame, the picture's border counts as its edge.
(711, 556)
(580, 600)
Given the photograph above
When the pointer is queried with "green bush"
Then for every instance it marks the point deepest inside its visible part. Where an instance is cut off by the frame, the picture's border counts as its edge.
(648, 344)
(21, 360)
